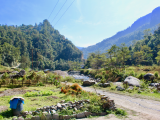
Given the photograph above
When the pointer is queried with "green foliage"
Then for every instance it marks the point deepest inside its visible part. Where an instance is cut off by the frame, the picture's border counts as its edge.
(120, 112)
(141, 76)
(6, 114)
(156, 74)
(144, 84)
(5, 76)
(51, 50)
(125, 86)
(113, 87)
(66, 112)
(40, 84)
(35, 94)
(94, 109)
(129, 90)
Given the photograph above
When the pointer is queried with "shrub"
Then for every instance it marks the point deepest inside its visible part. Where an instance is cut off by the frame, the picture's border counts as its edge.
(94, 109)
(156, 74)
(144, 84)
(120, 112)
(75, 89)
(40, 84)
(141, 76)
(99, 76)
(41, 93)
(5, 75)
(125, 86)
(87, 72)
(113, 87)
(129, 90)
(68, 79)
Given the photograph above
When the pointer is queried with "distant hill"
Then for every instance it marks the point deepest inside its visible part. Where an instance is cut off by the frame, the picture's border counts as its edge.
(50, 49)
(79, 47)
(134, 32)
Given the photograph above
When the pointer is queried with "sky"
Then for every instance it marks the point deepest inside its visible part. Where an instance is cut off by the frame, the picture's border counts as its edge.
(85, 23)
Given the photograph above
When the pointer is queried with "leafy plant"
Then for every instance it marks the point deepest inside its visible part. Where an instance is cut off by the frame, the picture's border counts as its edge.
(156, 74)
(120, 112)
(113, 87)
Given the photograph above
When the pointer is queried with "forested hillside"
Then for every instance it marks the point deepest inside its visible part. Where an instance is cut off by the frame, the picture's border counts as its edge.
(51, 50)
(134, 32)
(142, 52)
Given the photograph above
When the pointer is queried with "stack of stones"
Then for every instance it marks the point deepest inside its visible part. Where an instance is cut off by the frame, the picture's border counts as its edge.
(50, 112)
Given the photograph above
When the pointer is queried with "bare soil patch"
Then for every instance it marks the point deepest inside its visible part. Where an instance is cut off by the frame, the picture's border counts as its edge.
(3, 108)
(14, 91)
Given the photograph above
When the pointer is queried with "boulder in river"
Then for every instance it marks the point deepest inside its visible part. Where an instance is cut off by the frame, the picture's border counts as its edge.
(88, 83)
(132, 81)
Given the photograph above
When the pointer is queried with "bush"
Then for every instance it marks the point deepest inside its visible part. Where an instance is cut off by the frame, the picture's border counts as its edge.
(41, 93)
(5, 75)
(68, 79)
(156, 74)
(94, 109)
(40, 84)
(99, 76)
(75, 89)
(113, 87)
(120, 112)
(141, 76)
(129, 90)
(144, 84)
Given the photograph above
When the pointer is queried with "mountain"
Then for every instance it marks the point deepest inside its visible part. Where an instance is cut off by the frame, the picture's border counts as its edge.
(134, 32)
(80, 48)
(41, 43)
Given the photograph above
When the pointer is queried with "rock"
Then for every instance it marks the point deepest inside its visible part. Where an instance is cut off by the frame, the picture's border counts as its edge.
(103, 114)
(153, 84)
(75, 108)
(55, 116)
(119, 88)
(53, 111)
(104, 84)
(87, 113)
(132, 81)
(149, 76)
(49, 117)
(117, 83)
(35, 118)
(88, 83)
(22, 73)
(62, 101)
(15, 72)
(158, 87)
(80, 115)
(59, 105)
(65, 117)
(20, 118)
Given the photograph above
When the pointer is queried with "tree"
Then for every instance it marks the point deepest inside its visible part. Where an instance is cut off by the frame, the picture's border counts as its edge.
(124, 53)
(98, 61)
(158, 58)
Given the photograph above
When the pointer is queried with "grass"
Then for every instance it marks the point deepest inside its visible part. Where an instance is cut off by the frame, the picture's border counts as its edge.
(143, 94)
(34, 101)
(4, 68)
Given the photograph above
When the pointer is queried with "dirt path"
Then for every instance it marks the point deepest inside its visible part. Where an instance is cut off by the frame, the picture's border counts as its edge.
(145, 109)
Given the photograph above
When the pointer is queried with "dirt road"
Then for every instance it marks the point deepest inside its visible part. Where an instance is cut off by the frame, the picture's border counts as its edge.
(143, 109)
(148, 108)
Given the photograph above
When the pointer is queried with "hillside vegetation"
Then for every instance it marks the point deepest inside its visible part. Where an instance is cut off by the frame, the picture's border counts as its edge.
(144, 52)
(134, 32)
(51, 50)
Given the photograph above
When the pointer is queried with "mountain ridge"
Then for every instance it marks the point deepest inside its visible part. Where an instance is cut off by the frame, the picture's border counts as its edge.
(136, 29)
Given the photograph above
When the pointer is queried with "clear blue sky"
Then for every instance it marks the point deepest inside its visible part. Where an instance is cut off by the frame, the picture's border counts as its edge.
(86, 22)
